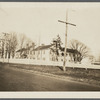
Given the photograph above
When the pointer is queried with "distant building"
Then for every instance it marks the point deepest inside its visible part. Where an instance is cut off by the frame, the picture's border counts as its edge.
(21, 53)
(71, 55)
(46, 53)
(25, 52)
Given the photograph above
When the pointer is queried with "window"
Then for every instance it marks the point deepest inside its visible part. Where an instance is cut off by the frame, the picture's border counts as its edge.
(33, 57)
(38, 52)
(61, 59)
(69, 54)
(30, 52)
(44, 52)
(43, 58)
(34, 52)
(50, 51)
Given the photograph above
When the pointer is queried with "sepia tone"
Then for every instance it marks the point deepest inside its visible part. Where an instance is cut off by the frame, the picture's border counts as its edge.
(49, 47)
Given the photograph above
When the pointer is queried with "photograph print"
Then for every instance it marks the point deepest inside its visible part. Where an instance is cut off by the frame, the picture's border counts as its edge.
(49, 46)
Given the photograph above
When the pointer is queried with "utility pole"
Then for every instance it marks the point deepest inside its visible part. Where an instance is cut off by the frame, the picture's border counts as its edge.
(65, 50)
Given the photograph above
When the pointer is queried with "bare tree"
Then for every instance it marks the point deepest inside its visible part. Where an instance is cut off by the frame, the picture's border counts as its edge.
(22, 40)
(3, 45)
(2, 48)
(12, 44)
(83, 50)
(9, 44)
(24, 44)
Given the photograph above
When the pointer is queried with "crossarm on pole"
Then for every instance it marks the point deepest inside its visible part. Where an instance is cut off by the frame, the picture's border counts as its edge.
(66, 23)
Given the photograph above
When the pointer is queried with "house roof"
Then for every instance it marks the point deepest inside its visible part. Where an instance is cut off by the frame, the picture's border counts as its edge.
(48, 46)
(24, 49)
(20, 50)
(43, 47)
(70, 50)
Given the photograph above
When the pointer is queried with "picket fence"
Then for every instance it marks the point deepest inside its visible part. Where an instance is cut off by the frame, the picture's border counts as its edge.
(50, 63)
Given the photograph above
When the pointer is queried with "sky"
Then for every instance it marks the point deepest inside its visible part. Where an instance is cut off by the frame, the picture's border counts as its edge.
(39, 21)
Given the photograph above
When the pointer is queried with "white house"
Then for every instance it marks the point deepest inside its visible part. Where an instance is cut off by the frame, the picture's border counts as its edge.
(45, 52)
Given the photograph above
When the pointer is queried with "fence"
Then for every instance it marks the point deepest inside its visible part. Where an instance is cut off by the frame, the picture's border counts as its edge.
(50, 63)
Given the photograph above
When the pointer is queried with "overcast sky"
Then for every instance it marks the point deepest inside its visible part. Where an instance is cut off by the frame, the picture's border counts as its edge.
(40, 20)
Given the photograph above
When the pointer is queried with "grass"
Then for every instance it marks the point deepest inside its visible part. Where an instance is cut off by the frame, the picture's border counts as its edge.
(91, 76)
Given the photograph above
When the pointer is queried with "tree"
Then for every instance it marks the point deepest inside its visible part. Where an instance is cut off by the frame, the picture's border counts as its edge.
(25, 43)
(8, 44)
(57, 45)
(22, 42)
(2, 48)
(12, 44)
(22, 39)
(83, 50)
